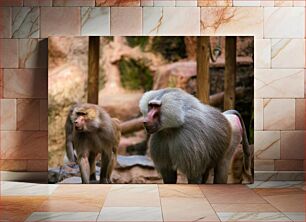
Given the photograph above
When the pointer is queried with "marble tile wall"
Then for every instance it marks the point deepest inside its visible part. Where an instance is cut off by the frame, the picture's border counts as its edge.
(278, 27)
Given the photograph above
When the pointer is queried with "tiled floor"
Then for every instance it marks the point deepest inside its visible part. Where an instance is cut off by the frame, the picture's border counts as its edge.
(262, 201)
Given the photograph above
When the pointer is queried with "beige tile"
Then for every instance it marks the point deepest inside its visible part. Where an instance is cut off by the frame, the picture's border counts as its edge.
(232, 20)
(284, 49)
(130, 214)
(5, 3)
(91, 191)
(305, 83)
(278, 19)
(27, 114)
(289, 165)
(262, 53)
(70, 204)
(264, 165)
(267, 145)
(8, 53)
(133, 196)
(5, 22)
(8, 114)
(159, 21)
(215, 3)
(24, 144)
(299, 3)
(1, 83)
(296, 216)
(292, 144)
(25, 22)
(230, 194)
(13, 165)
(63, 216)
(163, 3)
(263, 207)
(19, 208)
(126, 21)
(118, 3)
(190, 191)
(252, 216)
(37, 2)
(73, 2)
(288, 202)
(266, 2)
(37, 165)
(279, 114)
(279, 3)
(249, 3)
(52, 16)
(25, 83)
(33, 53)
(275, 191)
(186, 3)
(187, 209)
(258, 114)
(43, 114)
(95, 21)
(300, 114)
(146, 2)
(279, 83)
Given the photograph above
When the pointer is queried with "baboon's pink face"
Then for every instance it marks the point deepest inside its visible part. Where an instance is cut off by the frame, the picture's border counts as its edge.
(80, 122)
(152, 119)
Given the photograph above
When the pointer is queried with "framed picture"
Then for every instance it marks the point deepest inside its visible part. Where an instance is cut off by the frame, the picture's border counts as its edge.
(162, 109)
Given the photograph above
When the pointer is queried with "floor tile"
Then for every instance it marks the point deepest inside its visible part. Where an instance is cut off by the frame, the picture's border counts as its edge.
(276, 184)
(187, 209)
(26, 189)
(95, 191)
(63, 216)
(288, 203)
(133, 196)
(251, 216)
(262, 207)
(295, 216)
(18, 208)
(230, 194)
(71, 204)
(278, 191)
(130, 214)
(190, 191)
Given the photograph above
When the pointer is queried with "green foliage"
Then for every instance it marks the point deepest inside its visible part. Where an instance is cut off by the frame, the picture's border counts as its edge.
(172, 49)
(140, 41)
(135, 75)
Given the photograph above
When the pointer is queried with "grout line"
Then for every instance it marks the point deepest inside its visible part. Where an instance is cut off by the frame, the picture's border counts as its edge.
(161, 208)
(209, 203)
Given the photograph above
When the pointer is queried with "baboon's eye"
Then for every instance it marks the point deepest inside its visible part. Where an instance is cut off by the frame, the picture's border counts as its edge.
(80, 113)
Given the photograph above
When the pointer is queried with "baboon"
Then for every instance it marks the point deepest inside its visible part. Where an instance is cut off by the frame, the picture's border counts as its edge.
(89, 131)
(191, 137)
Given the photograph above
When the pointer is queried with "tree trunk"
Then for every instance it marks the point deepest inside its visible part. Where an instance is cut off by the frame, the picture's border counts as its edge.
(230, 72)
(93, 69)
(203, 69)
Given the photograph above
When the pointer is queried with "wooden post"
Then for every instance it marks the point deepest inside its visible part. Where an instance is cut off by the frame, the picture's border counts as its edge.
(230, 72)
(93, 69)
(203, 84)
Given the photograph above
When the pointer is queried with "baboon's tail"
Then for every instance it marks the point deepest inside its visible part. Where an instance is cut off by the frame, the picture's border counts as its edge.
(245, 141)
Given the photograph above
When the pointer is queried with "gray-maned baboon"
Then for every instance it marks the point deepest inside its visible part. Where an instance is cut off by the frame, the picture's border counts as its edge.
(89, 131)
(191, 137)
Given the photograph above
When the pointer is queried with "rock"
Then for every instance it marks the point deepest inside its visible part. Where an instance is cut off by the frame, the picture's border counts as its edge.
(72, 180)
(122, 105)
(136, 174)
(135, 160)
